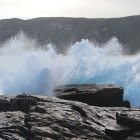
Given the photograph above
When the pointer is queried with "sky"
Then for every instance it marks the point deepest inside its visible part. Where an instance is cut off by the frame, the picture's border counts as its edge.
(68, 8)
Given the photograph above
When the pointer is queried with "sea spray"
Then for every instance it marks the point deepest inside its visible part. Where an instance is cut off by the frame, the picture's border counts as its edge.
(23, 69)
(26, 67)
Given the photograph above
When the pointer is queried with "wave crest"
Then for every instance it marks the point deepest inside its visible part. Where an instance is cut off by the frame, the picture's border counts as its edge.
(25, 69)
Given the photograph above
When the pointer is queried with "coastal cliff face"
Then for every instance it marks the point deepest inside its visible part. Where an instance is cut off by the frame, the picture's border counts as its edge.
(64, 32)
(35, 117)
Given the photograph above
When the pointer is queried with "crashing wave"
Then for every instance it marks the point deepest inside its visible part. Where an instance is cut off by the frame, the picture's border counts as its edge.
(25, 69)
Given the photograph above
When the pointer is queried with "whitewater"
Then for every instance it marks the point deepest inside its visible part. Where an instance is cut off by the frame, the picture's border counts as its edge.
(27, 68)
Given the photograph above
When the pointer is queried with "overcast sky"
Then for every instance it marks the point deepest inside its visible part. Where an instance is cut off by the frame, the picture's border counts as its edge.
(68, 8)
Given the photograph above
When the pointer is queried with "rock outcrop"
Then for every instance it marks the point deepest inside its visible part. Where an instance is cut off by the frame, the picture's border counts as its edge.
(34, 117)
(96, 95)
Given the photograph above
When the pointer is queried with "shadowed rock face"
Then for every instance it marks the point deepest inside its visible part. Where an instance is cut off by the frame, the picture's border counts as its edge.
(129, 118)
(34, 117)
(96, 95)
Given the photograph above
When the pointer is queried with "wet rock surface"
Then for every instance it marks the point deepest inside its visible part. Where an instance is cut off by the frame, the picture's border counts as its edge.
(97, 95)
(48, 118)
(12, 126)
(129, 118)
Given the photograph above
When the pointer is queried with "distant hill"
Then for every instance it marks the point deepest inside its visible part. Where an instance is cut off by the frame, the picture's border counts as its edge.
(64, 32)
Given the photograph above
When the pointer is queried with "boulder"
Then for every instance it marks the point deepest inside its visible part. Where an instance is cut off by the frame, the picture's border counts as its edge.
(36, 117)
(4, 103)
(130, 118)
(22, 103)
(118, 132)
(96, 95)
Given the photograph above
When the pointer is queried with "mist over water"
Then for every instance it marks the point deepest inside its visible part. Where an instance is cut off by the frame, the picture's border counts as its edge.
(25, 69)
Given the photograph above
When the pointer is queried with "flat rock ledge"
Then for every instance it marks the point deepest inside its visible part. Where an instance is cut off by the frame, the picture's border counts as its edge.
(34, 117)
(97, 95)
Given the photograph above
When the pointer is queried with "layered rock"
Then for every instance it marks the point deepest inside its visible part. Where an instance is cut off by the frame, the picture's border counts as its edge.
(12, 126)
(131, 119)
(97, 95)
(34, 117)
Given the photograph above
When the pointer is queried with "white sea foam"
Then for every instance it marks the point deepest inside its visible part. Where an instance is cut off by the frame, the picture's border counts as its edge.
(24, 69)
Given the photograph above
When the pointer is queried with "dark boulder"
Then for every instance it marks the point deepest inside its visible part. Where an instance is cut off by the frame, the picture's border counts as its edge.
(118, 132)
(22, 104)
(96, 95)
(5, 102)
(129, 118)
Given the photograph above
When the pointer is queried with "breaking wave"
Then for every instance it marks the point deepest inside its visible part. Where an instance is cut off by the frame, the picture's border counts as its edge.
(25, 69)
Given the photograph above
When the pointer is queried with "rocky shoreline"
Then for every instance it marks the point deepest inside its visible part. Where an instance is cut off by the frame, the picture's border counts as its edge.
(36, 117)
